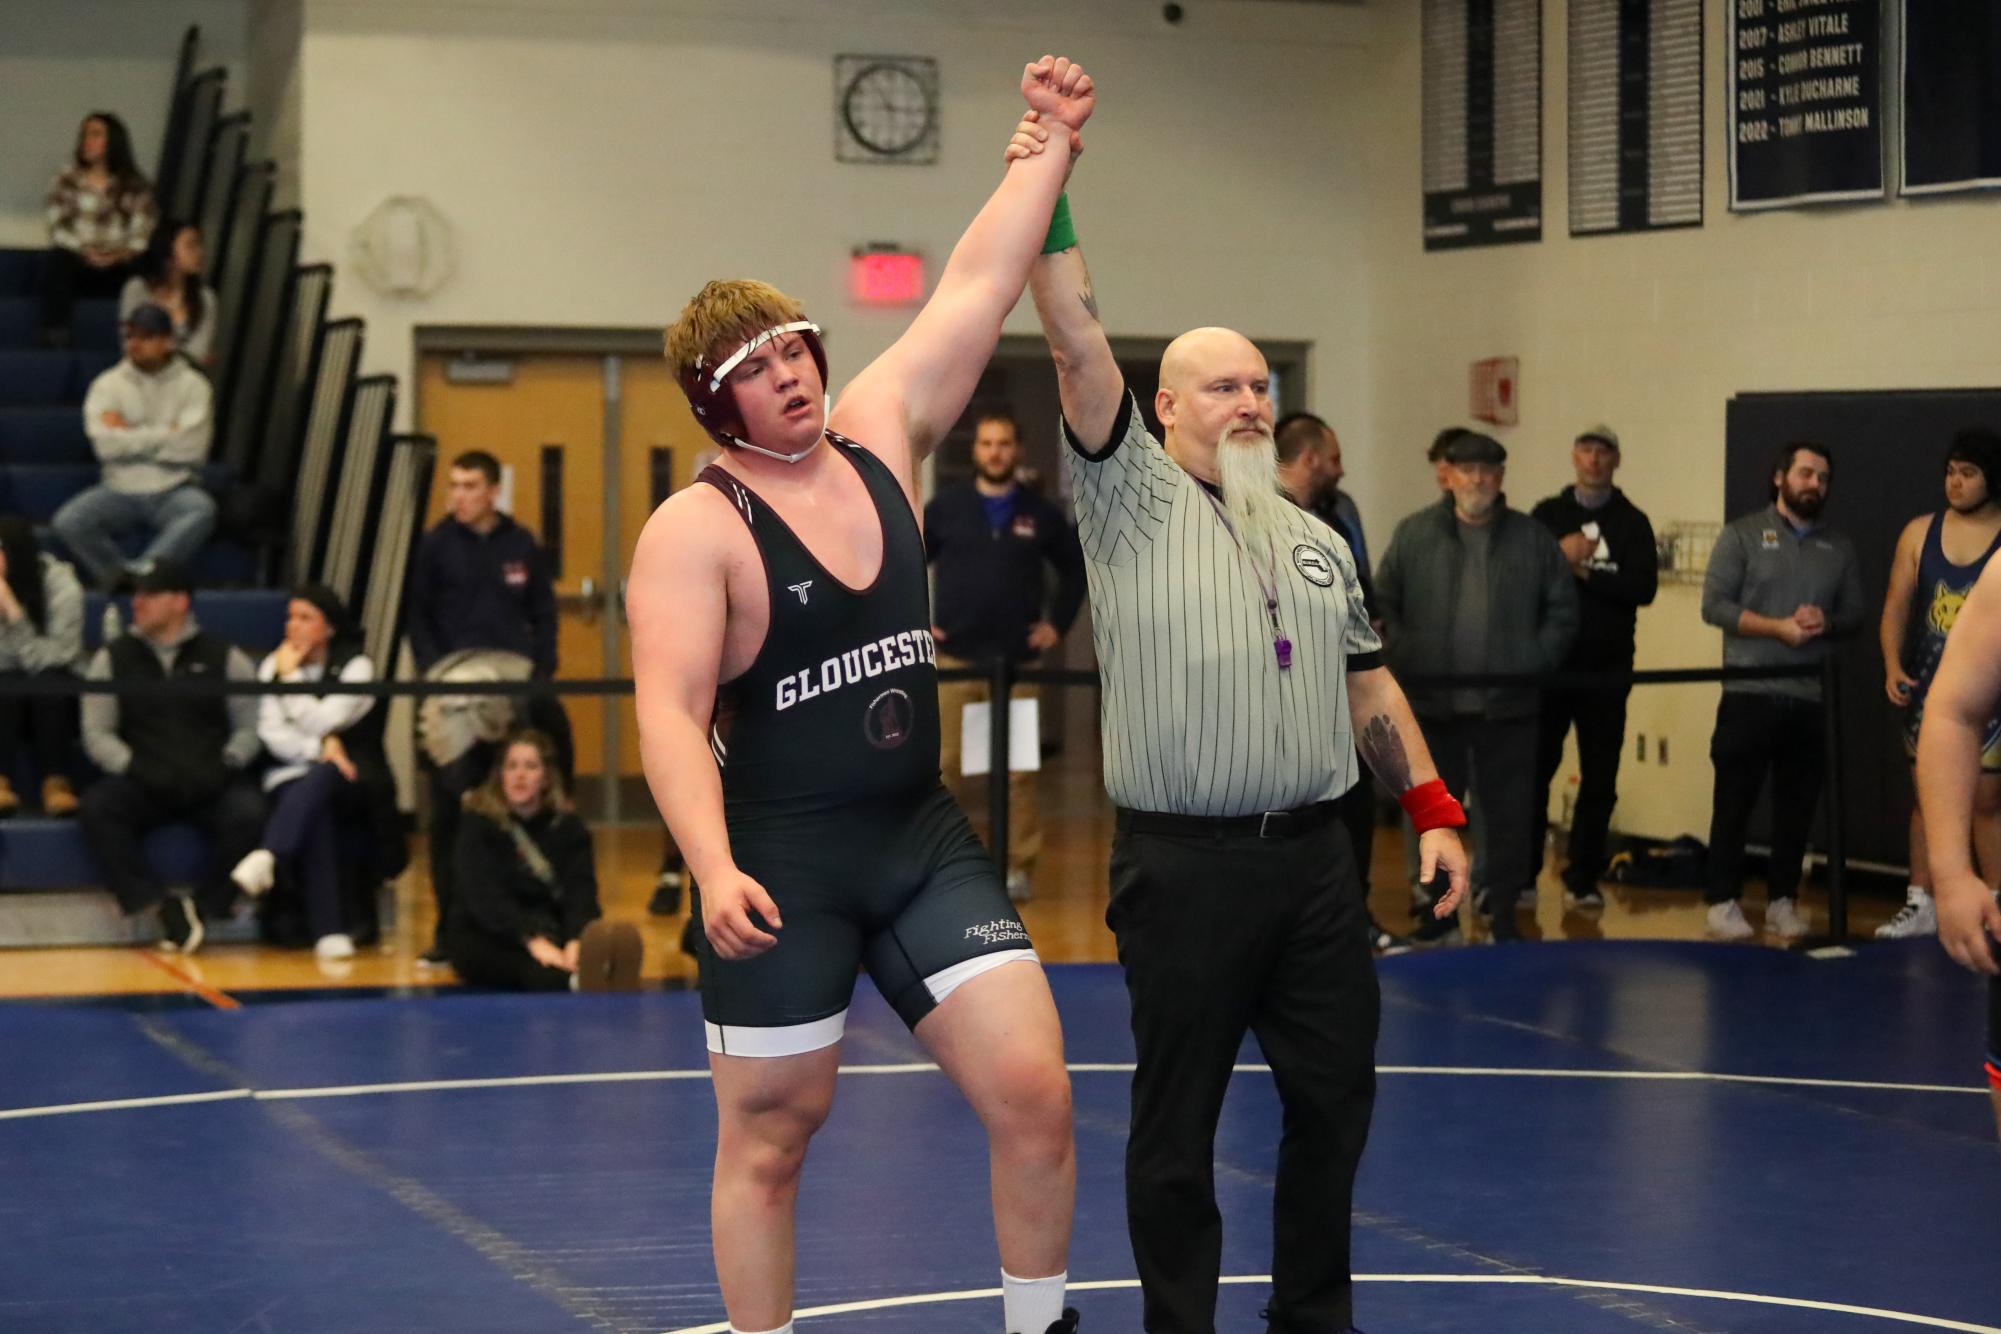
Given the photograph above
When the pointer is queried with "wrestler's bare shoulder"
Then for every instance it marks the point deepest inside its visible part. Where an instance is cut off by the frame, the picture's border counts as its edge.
(694, 528)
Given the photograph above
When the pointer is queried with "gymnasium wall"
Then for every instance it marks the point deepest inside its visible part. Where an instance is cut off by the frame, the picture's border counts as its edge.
(1653, 334)
(61, 59)
(598, 164)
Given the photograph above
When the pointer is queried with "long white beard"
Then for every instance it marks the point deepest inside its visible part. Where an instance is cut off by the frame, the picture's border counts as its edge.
(1256, 508)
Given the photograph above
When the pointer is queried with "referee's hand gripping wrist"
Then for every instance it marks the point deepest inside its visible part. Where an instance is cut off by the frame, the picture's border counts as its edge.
(738, 916)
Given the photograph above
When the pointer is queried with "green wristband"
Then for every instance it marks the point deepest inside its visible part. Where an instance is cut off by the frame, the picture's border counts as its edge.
(1062, 232)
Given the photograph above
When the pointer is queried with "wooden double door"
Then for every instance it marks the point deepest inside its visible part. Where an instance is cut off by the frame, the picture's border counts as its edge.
(590, 443)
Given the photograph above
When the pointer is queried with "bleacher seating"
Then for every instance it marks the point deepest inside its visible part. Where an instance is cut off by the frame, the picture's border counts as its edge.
(289, 414)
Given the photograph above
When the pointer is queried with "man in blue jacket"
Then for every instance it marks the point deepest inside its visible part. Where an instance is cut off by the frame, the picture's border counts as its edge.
(989, 543)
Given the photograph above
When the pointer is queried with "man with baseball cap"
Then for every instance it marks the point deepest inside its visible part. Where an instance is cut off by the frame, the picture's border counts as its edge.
(170, 758)
(149, 420)
(1610, 546)
(1470, 586)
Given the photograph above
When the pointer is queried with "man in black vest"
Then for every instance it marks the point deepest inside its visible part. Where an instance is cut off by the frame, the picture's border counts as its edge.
(170, 758)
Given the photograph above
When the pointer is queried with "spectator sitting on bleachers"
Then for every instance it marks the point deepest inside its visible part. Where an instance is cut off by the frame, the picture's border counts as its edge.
(41, 635)
(170, 758)
(101, 216)
(329, 764)
(169, 275)
(148, 419)
(526, 917)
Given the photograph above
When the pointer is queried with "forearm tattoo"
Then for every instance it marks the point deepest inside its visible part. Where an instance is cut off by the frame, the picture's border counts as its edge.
(1089, 298)
(1383, 748)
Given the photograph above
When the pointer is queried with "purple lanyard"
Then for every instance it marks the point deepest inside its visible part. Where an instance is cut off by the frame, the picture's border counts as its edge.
(1281, 647)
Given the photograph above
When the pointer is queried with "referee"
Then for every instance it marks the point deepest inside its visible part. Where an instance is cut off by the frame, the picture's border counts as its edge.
(1240, 674)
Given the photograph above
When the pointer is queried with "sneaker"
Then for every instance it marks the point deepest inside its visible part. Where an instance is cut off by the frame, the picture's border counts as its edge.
(256, 873)
(1067, 1324)
(180, 925)
(1432, 931)
(666, 900)
(1385, 942)
(58, 797)
(1784, 919)
(1017, 886)
(1918, 917)
(1726, 921)
(1584, 900)
(434, 957)
(335, 946)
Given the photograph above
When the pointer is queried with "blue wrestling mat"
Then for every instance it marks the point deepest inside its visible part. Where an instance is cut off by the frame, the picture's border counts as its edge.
(1577, 1138)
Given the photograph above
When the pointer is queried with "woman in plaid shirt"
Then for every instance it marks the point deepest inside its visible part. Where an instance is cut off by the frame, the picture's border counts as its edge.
(101, 215)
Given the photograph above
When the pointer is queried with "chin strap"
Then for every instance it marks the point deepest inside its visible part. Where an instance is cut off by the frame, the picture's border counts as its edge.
(742, 443)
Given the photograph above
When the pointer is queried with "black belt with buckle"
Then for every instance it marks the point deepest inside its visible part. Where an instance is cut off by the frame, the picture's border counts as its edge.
(1270, 824)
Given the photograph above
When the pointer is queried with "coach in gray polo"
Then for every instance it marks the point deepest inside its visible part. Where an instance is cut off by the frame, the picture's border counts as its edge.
(1240, 674)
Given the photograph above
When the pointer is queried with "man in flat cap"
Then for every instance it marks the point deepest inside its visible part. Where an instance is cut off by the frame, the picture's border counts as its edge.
(1471, 586)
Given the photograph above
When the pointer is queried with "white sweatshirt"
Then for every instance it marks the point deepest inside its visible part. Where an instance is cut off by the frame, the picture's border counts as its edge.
(293, 727)
(166, 436)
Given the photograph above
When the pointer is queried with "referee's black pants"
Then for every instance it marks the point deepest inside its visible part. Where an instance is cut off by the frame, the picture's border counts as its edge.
(1219, 934)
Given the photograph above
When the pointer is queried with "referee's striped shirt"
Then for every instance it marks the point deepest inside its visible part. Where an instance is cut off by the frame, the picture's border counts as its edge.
(1198, 718)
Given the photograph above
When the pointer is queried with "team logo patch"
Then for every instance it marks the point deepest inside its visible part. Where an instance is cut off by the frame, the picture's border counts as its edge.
(1024, 527)
(889, 720)
(1313, 563)
(1769, 539)
(800, 589)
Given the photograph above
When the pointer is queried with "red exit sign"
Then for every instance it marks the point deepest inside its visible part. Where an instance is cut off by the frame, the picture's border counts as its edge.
(886, 276)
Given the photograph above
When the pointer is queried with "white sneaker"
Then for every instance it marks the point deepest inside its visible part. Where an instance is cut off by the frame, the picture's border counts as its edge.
(1017, 886)
(336, 946)
(256, 873)
(1918, 917)
(1784, 919)
(1726, 921)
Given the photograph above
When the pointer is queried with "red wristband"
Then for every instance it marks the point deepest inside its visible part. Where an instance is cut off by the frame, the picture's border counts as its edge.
(1430, 807)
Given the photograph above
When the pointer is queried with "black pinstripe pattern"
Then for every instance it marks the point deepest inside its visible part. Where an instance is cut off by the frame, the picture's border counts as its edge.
(1198, 719)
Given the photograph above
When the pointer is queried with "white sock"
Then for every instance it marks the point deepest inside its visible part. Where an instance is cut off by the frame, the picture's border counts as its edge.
(1916, 893)
(785, 1328)
(1032, 1305)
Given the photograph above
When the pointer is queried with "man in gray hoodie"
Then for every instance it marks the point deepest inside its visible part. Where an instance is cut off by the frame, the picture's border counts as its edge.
(149, 420)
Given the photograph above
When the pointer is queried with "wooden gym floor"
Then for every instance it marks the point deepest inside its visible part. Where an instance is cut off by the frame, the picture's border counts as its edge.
(1065, 917)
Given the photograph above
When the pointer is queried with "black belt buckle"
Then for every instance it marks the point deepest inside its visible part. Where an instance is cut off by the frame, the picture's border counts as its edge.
(1283, 827)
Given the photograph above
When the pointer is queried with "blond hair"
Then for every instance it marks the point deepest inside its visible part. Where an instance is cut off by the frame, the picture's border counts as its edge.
(723, 316)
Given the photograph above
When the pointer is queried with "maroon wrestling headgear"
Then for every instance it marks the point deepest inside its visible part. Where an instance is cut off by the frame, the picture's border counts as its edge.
(715, 406)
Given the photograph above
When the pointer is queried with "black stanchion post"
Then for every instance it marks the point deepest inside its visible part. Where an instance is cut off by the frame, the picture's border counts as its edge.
(1001, 686)
(1837, 802)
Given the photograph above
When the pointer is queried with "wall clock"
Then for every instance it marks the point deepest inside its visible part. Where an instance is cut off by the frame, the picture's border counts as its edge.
(886, 109)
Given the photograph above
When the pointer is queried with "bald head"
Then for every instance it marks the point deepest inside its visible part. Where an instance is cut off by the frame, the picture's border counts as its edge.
(1201, 352)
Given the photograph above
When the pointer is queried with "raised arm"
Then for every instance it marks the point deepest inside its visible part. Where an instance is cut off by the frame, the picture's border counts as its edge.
(915, 391)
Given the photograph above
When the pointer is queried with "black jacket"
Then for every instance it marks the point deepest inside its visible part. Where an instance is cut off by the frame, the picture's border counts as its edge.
(1531, 605)
(473, 590)
(990, 587)
(1623, 576)
(501, 896)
